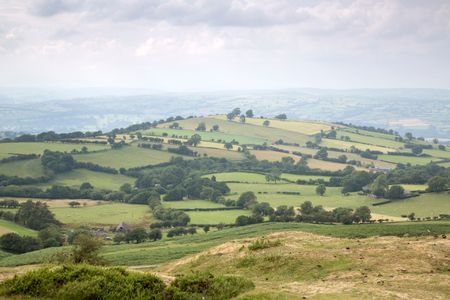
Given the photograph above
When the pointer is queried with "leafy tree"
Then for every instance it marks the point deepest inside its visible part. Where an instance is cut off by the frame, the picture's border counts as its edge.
(306, 208)
(126, 188)
(236, 112)
(263, 209)
(175, 194)
(246, 200)
(155, 234)
(380, 185)
(266, 123)
(137, 235)
(201, 127)
(194, 140)
(206, 228)
(437, 184)
(320, 189)
(249, 113)
(281, 117)
(355, 181)
(343, 215)
(242, 118)
(395, 192)
(230, 116)
(57, 162)
(283, 213)
(409, 135)
(228, 146)
(86, 250)
(51, 236)
(14, 243)
(416, 150)
(215, 127)
(362, 214)
(35, 215)
(321, 154)
(412, 216)
(274, 175)
(86, 186)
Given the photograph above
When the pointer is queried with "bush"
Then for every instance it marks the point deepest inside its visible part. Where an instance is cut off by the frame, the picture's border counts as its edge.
(263, 244)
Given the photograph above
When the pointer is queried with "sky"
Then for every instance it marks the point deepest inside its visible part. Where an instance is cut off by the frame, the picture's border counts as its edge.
(204, 45)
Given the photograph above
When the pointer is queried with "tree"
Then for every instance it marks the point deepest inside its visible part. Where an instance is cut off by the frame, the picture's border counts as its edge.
(281, 117)
(321, 154)
(242, 118)
(437, 184)
(246, 200)
(249, 113)
(409, 135)
(236, 112)
(362, 214)
(35, 215)
(412, 216)
(194, 140)
(266, 123)
(126, 188)
(306, 208)
(86, 250)
(416, 150)
(274, 175)
(201, 127)
(175, 194)
(435, 141)
(215, 127)
(86, 186)
(395, 192)
(137, 235)
(380, 186)
(14, 243)
(230, 116)
(74, 204)
(320, 189)
(206, 228)
(155, 234)
(228, 146)
(263, 209)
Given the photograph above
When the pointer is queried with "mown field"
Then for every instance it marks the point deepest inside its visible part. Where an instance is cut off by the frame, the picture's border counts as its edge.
(364, 139)
(99, 180)
(154, 253)
(39, 147)
(127, 157)
(191, 204)
(23, 168)
(217, 217)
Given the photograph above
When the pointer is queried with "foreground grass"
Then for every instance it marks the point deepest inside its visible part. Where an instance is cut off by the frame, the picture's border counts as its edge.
(153, 253)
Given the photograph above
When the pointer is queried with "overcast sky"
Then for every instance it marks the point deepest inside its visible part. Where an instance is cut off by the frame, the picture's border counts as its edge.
(178, 45)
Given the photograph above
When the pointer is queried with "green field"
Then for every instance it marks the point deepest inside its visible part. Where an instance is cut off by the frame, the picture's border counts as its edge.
(153, 253)
(99, 180)
(437, 153)
(239, 177)
(369, 133)
(372, 140)
(23, 168)
(245, 130)
(103, 214)
(414, 187)
(206, 135)
(302, 127)
(214, 152)
(39, 147)
(191, 204)
(413, 160)
(331, 143)
(127, 157)
(7, 227)
(295, 177)
(216, 217)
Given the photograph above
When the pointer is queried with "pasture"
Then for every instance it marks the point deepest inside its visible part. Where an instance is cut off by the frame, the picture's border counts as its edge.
(272, 156)
(302, 127)
(331, 143)
(127, 157)
(39, 147)
(413, 160)
(238, 177)
(437, 153)
(8, 227)
(206, 135)
(23, 168)
(103, 214)
(216, 217)
(221, 153)
(99, 180)
(191, 204)
(263, 134)
(371, 140)
(368, 133)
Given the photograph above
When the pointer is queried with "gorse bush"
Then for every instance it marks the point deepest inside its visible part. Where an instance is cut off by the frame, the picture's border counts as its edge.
(89, 282)
(263, 244)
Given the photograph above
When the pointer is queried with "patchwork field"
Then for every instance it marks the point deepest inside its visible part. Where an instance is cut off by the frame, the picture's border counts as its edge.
(97, 179)
(127, 157)
(23, 168)
(347, 146)
(216, 217)
(191, 204)
(103, 214)
(398, 159)
(39, 147)
(372, 140)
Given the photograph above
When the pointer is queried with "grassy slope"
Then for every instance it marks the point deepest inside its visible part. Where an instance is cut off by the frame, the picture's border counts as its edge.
(24, 168)
(127, 157)
(408, 159)
(103, 214)
(191, 204)
(99, 180)
(302, 127)
(216, 217)
(377, 141)
(169, 249)
(248, 130)
(331, 143)
(38, 148)
(7, 227)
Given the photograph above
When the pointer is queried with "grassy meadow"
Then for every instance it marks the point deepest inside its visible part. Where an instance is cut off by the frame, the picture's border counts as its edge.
(23, 168)
(217, 217)
(7, 227)
(39, 147)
